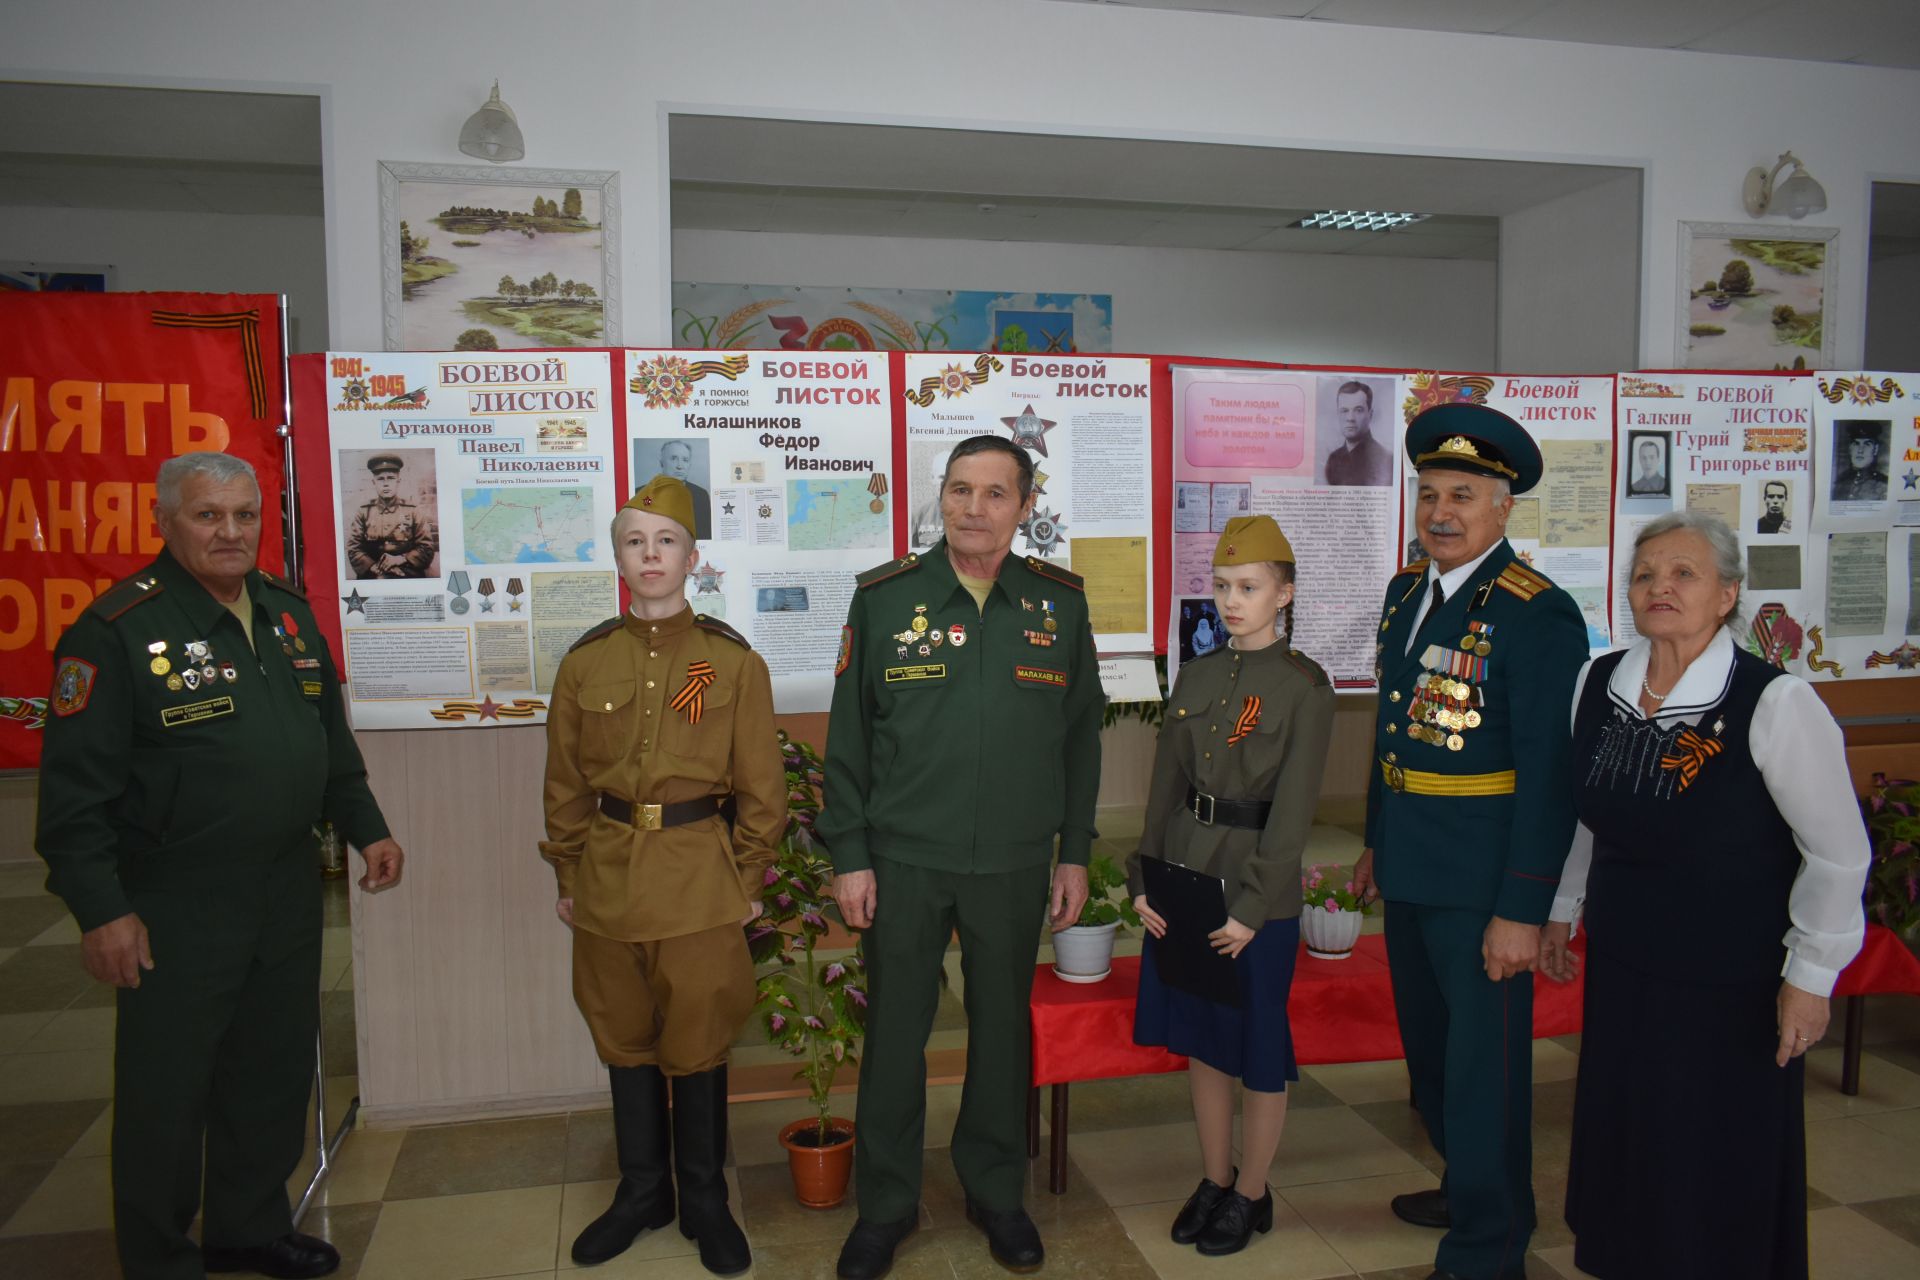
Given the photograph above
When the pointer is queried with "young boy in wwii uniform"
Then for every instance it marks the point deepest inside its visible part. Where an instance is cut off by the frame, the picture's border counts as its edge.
(665, 796)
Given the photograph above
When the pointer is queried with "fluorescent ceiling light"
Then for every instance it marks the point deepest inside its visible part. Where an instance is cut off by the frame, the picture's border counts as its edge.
(1358, 220)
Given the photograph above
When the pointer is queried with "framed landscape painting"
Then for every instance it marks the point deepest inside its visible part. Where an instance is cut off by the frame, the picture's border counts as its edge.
(486, 259)
(1755, 297)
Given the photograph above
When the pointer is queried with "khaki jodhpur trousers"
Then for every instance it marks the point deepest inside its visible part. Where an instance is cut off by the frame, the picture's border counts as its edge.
(676, 1003)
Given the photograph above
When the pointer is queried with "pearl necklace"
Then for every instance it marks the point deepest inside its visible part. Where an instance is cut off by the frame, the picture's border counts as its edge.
(1657, 697)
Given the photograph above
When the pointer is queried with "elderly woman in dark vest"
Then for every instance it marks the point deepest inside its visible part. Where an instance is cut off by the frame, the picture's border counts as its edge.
(1718, 867)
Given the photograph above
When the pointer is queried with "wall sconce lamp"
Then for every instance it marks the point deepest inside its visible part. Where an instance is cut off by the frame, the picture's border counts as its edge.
(492, 133)
(1797, 197)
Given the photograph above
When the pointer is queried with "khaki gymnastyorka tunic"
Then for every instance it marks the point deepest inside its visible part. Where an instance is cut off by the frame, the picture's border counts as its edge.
(612, 729)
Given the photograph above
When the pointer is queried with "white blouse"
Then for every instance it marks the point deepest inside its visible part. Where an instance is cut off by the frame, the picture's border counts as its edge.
(1798, 748)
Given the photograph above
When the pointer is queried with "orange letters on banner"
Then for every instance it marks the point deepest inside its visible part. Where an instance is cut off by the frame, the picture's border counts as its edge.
(96, 391)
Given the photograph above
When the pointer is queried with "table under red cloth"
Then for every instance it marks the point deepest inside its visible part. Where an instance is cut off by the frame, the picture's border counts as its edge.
(1883, 967)
(1340, 1011)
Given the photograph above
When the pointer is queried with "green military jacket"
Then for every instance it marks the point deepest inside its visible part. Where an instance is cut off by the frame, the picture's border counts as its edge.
(974, 751)
(155, 772)
(1240, 726)
(1486, 823)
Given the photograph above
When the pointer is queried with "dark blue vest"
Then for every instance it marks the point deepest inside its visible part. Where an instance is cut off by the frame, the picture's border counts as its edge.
(1692, 862)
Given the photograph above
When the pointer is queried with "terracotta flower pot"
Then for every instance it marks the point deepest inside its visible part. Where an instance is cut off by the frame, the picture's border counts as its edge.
(820, 1174)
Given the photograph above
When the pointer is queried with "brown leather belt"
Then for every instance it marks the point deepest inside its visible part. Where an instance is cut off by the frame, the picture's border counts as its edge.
(1212, 811)
(658, 817)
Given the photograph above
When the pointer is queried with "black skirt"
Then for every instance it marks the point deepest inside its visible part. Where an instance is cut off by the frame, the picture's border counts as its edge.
(1689, 1147)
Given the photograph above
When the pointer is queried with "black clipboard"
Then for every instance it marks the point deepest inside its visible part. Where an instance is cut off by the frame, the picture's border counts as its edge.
(1193, 904)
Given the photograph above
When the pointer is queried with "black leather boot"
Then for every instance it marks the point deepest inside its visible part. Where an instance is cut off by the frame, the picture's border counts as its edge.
(700, 1165)
(644, 1199)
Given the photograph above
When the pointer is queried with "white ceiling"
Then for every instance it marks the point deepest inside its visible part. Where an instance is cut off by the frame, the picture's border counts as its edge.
(1882, 33)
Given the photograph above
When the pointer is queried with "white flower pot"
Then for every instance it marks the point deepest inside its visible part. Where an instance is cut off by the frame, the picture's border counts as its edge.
(1084, 952)
(1330, 935)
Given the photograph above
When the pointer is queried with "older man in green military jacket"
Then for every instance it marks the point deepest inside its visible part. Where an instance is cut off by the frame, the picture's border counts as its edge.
(1469, 814)
(964, 742)
(195, 736)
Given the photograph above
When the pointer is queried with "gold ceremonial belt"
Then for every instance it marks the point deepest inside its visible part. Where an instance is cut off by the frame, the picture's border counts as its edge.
(1419, 783)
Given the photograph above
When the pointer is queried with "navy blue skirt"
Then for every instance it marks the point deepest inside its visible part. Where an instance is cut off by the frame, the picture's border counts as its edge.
(1254, 1043)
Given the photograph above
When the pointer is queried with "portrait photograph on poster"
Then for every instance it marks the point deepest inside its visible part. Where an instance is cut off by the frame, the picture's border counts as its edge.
(1859, 470)
(1351, 449)
(684, 459)
(394, 528)
(478, 259)
(1755, 297)
(1201, 631)
(1649, 464)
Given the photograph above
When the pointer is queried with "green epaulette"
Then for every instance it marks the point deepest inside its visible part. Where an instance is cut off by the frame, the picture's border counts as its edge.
(126, 594)
(1307, 667)
(891, 569)
(1522, 580)
(720, 628)
(1053, 572)
(605, 628)
(275, 580)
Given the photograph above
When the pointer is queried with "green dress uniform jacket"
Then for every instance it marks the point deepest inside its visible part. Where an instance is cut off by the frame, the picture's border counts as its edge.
(973, 752)
(1250, 727)
(396, 528)
(1446, 829)
(181, 777)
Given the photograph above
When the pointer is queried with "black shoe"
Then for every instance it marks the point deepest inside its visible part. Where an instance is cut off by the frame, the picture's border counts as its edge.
(1193, 1216)
(644, 1199)
(1234, 1223)
(1424, 1208)
(1012, 1238)
(1445, 1275)
(868, 1252)
(291, 1257)
(700, 1166)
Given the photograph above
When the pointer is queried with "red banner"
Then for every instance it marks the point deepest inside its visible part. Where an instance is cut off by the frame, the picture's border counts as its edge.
(96, 391)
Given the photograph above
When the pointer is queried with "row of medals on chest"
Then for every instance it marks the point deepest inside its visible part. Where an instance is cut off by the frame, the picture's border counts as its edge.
(1445, 700)
(923, 638)
(197, 666)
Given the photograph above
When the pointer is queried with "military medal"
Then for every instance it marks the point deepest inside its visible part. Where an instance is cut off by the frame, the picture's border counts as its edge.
(175, 683)
(458, 584)
(160, 666)
(514, 588)
(1473, 719)
(878, 488)
(919, 623)
(197, 649)
(192, 678)
(228, 672)
(925, 650)
(957, 635)
(1455, 742)
(486, 595)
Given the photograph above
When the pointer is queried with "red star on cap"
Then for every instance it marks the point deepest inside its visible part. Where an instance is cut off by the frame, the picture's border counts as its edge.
(647, 501)
(1232, 550)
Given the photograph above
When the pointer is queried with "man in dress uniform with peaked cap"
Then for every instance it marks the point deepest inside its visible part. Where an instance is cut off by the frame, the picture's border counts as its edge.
(964, 743)
(196, 734)
(665, 798)
(1469, 815)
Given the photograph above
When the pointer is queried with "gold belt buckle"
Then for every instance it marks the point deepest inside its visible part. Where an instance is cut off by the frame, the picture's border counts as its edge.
(646, 817)
(1396, 777)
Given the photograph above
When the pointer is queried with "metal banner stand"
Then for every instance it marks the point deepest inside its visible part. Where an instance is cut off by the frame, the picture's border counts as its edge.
(324, 1144)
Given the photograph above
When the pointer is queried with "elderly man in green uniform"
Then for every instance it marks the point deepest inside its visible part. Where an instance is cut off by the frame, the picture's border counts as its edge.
(389, 537)
(964, 742)
(1469, 813)
(194, 737)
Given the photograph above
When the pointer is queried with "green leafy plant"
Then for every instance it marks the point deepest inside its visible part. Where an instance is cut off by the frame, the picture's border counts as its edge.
(1328, 886)
(1151, 714)
(1104, 904)
(1891, 808)
(812, 1006)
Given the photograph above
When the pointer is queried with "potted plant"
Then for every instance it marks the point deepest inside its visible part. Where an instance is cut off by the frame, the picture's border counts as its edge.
(1330, 911)
(1891, 808)
(1083, 952)
(812, 1005)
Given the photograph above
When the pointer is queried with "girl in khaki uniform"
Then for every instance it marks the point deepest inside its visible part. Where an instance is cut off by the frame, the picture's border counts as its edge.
(1244, 744)
(665, 798)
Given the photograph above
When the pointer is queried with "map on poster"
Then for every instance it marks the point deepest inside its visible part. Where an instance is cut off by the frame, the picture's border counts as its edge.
(788, 457)
(472, 495)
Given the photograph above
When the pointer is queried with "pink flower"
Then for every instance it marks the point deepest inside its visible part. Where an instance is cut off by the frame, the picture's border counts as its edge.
(1332, 905)
(771, 878)
(777, 1023)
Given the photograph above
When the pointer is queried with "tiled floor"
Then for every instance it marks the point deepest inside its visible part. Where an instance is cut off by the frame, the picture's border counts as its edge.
(504, 1198)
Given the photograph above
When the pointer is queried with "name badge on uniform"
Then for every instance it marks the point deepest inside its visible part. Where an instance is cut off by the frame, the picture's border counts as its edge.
(1041, 675)
(310, 688)
(924, 671)
(194, 712)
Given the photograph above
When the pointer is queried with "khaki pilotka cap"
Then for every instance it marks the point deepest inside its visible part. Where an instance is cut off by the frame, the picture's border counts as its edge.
(1252, 540)
(664, 496)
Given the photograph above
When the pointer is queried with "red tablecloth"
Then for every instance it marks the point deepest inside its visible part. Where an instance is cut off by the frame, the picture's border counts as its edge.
(1340, 1011)
(1884, 967)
